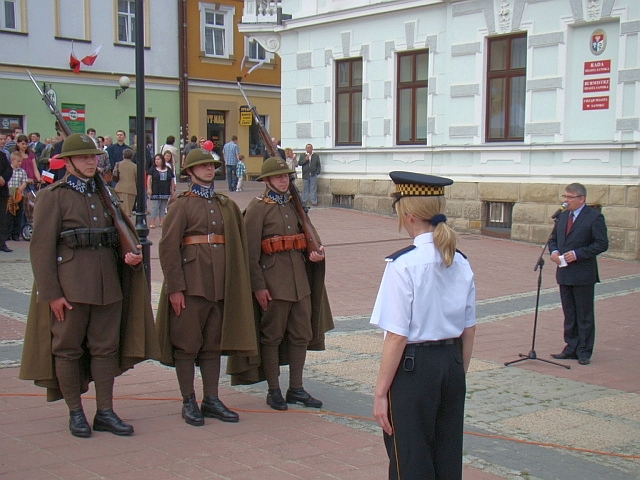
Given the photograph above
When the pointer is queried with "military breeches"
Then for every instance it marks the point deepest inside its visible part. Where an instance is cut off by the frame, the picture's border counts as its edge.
(292, 318)
(197, 332)
(98, 325)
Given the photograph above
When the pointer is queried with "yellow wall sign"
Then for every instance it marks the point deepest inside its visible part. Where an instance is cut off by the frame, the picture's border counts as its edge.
(246, 117)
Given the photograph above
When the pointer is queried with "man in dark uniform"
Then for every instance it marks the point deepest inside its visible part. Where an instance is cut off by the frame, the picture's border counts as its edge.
(83, 308)
(5, 217)
(205, 306)
(579, 235)
(280, 283)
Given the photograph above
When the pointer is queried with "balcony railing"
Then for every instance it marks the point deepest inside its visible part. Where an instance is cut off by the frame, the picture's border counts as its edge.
(262, 11)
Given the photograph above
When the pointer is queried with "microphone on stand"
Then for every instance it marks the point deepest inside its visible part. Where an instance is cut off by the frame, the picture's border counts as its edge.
(560, 210)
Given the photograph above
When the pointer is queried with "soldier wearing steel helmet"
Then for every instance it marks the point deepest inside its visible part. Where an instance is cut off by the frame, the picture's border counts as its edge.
(295, 311)
(90, 315)
(205, 307)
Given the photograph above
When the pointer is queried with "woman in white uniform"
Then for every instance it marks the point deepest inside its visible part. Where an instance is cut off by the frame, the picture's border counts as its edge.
(426, 306)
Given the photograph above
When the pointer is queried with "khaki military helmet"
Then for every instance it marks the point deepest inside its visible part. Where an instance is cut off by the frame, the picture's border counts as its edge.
(274, 166)
(79, 144)
(198, 156)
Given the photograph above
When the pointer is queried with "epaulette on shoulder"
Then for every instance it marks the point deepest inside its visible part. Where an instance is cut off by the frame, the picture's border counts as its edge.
(399, 253)
(465, 257)
(58, 184)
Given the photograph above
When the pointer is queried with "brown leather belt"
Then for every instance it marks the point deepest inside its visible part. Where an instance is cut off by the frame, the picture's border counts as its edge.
(284, 243)
(211, 238)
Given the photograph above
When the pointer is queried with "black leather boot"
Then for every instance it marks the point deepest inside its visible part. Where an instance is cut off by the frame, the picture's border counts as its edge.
(190, 411)
(107, 421)
(275, 400)
(212, 407)
(78, 425)
(300, 395)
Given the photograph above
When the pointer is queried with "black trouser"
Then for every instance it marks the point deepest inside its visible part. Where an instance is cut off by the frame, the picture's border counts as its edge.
(426, 410)
(579, 319)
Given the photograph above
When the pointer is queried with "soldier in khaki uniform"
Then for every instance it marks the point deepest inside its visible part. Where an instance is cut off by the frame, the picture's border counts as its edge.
(78, 317)
(279, 268)
(205, 307)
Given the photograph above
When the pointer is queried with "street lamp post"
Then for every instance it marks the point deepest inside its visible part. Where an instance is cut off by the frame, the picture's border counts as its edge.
(141, 204)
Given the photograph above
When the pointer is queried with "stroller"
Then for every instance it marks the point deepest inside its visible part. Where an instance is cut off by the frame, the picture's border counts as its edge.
(28, 201)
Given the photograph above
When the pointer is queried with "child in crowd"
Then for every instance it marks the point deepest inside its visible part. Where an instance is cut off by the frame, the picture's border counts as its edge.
(240, 171)
(17, 184)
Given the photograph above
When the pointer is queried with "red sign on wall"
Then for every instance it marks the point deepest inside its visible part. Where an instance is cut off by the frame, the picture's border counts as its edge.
(595, 103)
(597, 67)
(596, 85)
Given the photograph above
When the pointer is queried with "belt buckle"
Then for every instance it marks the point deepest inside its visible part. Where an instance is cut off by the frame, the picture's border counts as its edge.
(210, 238)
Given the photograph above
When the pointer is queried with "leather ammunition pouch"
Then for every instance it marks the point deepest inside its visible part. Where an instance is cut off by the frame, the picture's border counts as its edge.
(89, 237)
(284, 243)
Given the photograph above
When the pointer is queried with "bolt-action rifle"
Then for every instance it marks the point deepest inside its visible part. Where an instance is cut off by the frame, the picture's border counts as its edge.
(312, 242)
(127, 239)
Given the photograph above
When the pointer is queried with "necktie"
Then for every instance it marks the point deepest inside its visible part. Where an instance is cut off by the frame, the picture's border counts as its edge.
(569, 224)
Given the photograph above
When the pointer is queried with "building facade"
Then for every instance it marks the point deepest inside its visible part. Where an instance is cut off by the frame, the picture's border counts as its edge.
(43, 36)
(513, 99)
(215, 55)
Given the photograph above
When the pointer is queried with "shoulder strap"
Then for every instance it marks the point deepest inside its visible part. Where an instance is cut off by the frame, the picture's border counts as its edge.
(399, 253)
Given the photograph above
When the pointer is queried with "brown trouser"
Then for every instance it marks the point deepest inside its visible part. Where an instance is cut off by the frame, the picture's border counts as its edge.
(196, 334)
(96, 328)
(294, 319)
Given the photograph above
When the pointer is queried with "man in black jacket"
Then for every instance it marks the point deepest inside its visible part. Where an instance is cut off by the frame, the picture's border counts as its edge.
(5, 175)
(580, 234)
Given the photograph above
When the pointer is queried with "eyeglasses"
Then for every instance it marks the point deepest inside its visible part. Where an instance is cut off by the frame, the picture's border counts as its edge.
(571, 196)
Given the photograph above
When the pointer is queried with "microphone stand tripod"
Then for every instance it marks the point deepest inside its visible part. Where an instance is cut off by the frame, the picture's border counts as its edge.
(532, 353)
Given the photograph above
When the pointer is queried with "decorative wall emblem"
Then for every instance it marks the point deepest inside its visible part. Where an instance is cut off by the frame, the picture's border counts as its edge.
(598, 41)
(504, 16)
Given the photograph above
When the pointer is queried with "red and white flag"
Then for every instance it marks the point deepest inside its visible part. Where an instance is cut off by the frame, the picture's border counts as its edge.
(74, 63)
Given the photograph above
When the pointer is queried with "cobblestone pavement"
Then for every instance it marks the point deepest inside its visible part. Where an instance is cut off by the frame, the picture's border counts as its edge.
(530, 420)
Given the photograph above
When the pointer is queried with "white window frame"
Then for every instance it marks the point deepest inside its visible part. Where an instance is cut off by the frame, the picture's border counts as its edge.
(131, 20)
(17, 11)
(248, 47)
(228, 12)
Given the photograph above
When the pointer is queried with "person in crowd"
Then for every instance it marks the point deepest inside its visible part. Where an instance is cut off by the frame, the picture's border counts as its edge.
(310, 163)
(17, 184)
(5, 218)
(160, 187)
(3, 148)
(205, 308)
(125, 175)
(274, 142)
(115, 150)
(193, 143)
(230, 154)
(36, 145)
(426, 307)
(28, 164)
(170, 147)
(288, 284)
(241, 170)
(578, 237)
(91, 308)
(292, 161)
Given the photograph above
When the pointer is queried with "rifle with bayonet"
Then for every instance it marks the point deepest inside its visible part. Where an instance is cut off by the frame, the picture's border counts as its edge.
(127, 239)
(313, 244)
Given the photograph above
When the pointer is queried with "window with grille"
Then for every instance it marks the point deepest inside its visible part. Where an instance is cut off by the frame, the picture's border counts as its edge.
(506, 88)
(497, 219)
(411, 102)
(349, 102)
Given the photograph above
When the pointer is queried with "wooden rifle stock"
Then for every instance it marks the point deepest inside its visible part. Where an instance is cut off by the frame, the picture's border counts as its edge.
(313, 245)
(126, 236)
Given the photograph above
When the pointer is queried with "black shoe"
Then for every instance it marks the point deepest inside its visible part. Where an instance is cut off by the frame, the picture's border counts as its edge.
(564, 356)
(78, 425)
(212, 407)
(107, 421)
(275, 400)
(4, 248)
(584, 361)
(301, 395)
(190, 411)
